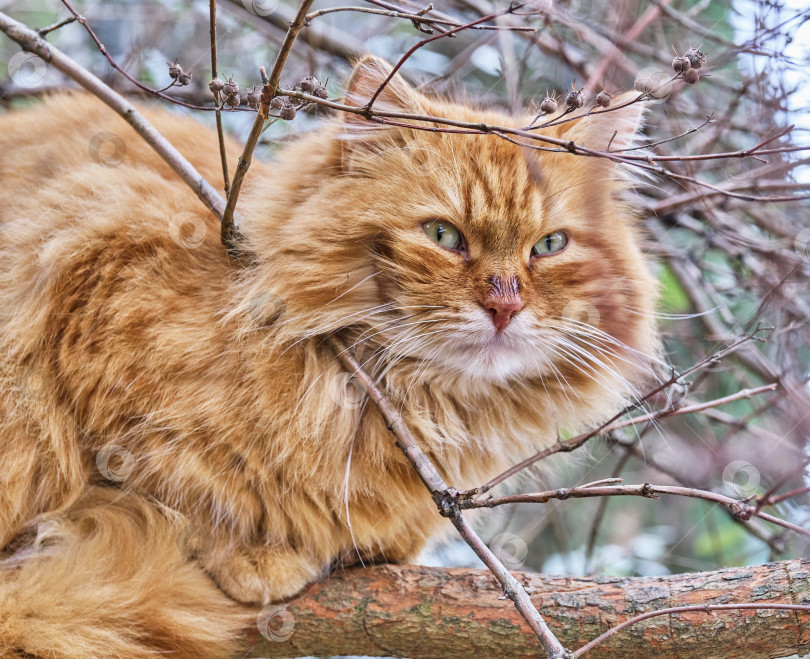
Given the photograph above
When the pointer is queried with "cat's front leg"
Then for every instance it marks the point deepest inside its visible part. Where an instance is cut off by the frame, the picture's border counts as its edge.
(260, 574)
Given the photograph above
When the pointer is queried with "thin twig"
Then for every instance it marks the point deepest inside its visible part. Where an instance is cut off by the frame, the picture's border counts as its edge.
(229, 233)
(419, 18)
(50, 28)
(212, 18)
(738, 507)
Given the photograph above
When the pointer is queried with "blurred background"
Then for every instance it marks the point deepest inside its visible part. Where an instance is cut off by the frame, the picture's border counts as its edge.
(725, 264)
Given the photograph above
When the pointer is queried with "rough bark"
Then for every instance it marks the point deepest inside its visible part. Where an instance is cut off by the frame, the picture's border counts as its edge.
(408, 611)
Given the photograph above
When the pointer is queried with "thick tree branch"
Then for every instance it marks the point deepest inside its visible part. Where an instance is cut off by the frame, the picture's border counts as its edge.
(455, 613)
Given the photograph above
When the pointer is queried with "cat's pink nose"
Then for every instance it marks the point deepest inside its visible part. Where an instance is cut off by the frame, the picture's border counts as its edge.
(502, 309)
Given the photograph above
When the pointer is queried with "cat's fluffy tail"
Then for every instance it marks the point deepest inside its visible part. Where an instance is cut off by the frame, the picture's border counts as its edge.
(109, 579)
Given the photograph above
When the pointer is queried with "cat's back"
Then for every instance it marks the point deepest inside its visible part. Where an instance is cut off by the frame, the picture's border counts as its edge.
(99, 238)
(72, 158)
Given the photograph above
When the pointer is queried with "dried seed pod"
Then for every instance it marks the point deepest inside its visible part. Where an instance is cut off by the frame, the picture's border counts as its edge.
(651, 81)
(287, 111)
(175, 71)
(308, 84)
(233, 101)
(184, 78)
(278, 102)
(603, 99)
(254, 98)
(681, 64)
(548, 106)
(574, 99)
(695, 57)
(216, 85)
(691, 76)
(231, 88)
(321, 92)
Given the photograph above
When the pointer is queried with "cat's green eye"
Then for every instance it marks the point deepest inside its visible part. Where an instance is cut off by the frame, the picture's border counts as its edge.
(444, 234)
(550, 244)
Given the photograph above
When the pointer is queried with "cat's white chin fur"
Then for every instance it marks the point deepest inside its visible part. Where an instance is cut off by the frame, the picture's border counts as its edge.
(486, 354)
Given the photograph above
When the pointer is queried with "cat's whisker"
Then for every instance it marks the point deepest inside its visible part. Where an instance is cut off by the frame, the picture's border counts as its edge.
(598, 346)
(668, 316)
(346, 501)
(421, 370)
(411, 351)
(571, 325)
(580, 361)
(395, 325)
(562, 381)
(635, 394)
(296, 319)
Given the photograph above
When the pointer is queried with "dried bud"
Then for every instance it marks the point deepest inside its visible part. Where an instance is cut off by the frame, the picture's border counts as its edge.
(321, 92)
(691, 76)
(230, 88)
(574, 99)
(184, 78)
(175, 71)
(233, 101)
(681, 64)
(650, 81)
(216, 85)
(279, 102)
(548, 106)
(254, 98)
(696, 58)
(308, 84)
(603, 99)
(287, 112)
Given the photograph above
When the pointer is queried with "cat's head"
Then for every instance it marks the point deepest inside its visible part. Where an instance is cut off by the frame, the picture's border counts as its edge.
(469, 251)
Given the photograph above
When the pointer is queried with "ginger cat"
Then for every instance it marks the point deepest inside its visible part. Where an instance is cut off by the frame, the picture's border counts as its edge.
(150, 385)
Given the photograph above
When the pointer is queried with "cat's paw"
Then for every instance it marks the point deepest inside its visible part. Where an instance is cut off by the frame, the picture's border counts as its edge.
(260, 575)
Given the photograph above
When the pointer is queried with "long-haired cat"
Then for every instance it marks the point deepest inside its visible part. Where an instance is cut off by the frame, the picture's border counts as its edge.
(177, 437)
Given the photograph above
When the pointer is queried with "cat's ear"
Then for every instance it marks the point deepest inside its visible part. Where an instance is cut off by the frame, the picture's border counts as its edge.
(364, 141)
(618, 126)
(368, 75)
